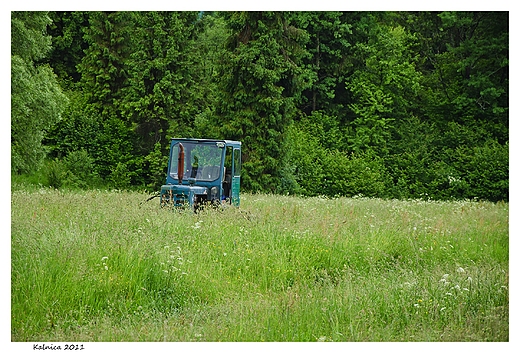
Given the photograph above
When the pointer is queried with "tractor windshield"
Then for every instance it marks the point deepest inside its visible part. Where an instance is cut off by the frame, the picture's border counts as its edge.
(201, 160)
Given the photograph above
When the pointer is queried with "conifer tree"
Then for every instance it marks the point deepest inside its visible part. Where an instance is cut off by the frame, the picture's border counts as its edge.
(261, 84)
(104, 77)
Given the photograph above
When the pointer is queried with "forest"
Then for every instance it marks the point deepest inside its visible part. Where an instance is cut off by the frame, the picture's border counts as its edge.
(397, 105)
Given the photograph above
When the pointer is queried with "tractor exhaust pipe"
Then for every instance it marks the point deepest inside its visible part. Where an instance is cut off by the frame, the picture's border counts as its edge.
(180, 164)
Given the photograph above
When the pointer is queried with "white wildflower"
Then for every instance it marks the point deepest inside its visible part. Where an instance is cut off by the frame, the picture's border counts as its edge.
(460, 270)
(104, 258)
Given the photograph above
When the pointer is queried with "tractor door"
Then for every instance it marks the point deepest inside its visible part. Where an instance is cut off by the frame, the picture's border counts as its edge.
(231, 180)
(235, 181)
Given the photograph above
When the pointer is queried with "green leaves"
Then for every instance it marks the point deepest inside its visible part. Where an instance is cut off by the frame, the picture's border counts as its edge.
(28, 39)
(400, 92)
(36, 98)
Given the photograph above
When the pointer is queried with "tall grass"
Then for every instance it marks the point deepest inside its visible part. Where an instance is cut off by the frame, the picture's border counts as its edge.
(104, 266)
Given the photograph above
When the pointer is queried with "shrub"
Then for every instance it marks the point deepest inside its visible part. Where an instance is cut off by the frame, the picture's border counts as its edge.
(357, 174)
(156, 164)
(328, 171)
(76, 170)
(305, 160)
(79, 170)
(120, 177)
(56, 173)
(486, 170)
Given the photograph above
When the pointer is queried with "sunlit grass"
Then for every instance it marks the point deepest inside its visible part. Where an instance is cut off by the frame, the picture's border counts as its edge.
(106, 266)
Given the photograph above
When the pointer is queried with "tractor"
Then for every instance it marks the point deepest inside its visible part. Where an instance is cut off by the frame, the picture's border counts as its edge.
(202, 171)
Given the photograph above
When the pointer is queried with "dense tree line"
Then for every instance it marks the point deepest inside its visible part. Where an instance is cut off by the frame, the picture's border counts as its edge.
(384, 104)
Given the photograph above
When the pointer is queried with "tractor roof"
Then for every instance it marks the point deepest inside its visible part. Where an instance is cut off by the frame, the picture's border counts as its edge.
(227, 142)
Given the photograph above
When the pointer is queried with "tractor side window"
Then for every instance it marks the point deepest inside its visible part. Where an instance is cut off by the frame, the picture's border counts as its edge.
(228, 161)
(174, 161)
(238, 161)
(228, 167)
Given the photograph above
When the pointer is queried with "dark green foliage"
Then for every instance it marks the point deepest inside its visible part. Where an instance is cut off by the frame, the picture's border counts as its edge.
(476, 63)
(386, 89)
(383, 104)
(67, 30)
(80, 168)
(155, 165)
(55, 173)
(74, 131)
(73, 171)
(450, 162)
(260, 85)
(306, 155)
(484, 170)
(158, 76)
(103, 80)
(329, 48)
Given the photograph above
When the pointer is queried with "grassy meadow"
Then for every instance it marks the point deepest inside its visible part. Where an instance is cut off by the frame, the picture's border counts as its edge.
(107, 266)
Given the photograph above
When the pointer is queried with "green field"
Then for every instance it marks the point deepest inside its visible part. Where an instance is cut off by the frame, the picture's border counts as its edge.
(104, 266)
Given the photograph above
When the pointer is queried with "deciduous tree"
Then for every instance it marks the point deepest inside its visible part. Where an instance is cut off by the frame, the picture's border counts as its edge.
(36, 98)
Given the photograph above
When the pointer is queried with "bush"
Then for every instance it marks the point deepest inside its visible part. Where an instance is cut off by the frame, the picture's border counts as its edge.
(80, 168)
(74, 171)
(357, 174)
(156, 164)
(305, 160)
(328, 171)
(486, 170)
(56, 173)
(120, 177)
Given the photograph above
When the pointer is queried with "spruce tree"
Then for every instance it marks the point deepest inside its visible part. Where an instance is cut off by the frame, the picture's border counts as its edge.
(261, 81)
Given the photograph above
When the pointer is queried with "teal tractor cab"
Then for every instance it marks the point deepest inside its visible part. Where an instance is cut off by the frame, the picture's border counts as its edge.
(202, 171)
